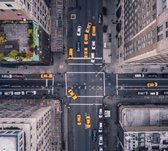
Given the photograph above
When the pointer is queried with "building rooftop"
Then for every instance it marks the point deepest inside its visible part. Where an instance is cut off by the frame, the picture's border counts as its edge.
(146, 141)
(138, 116)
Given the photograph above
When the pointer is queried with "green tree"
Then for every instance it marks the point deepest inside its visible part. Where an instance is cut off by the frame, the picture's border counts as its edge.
(2, 38)
(1, 55)
(13, 53)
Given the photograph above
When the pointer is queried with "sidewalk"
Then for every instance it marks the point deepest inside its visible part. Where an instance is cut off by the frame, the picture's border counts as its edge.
(109, 39)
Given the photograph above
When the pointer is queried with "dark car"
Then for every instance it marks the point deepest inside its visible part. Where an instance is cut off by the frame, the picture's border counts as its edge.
(164, 75)
(78, 46)
(18, 76)
(142, 93)
(152, 75)
(100, 18)
(94, 135)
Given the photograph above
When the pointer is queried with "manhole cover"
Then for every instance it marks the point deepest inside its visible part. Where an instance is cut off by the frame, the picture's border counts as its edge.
(73, 16)
(61, 66)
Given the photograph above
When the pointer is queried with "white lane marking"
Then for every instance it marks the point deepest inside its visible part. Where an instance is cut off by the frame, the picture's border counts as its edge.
(85, 64)
(52, 90)
(53, 81)
(46, 82)
(84, 72)
(136, 79)
(95, 96)
(66, 84)
(85, 104)
(82, 58)
(104, 83)
(117, 84)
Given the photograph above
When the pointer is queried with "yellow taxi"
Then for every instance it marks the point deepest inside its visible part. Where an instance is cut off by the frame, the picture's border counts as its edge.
(72, 94)
(89, 24)
(70, 53)
(86, 53)
(152, 84)
(93, 31)
(78, 119)
(88, 121)
(86, 38)
(46, 75)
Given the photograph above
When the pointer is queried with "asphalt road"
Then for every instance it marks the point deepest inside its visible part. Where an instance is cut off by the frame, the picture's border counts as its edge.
(86, 78)
(30, 82)
(127, 84)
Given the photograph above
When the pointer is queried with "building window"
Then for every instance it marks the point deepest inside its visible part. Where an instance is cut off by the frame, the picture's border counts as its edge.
(167, 24)
(160, 28)
(9, 5)
(159, 37)
(166, 33)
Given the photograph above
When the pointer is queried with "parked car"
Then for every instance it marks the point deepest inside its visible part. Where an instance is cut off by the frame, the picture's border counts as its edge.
(143, 93)
(5, 86)
(154, 93)
(100, 127)
(19, 93)
(164, 75)
(100, 112)
(94, 135)
(31, 92)
(100, 148)
(6, 76)
(100, 18)
(79, 30)
(139, 75)
(100, 139)
(8, 93)
(152, 75)
(93, 45)
(165, 92)
(18, 76)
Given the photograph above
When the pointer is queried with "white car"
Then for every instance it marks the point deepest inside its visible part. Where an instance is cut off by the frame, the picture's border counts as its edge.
(100, 112)
(100, 139)
(7, 76)
(154, 93)
(92, 57)
(8, 93)
(19, 93)
(31, 92)
(79, 30)
(100, 127)
(93, 45)
(139, 75)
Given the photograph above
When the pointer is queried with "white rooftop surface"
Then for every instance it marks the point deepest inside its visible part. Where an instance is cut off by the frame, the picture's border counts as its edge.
(144, 116)
(7, 144)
